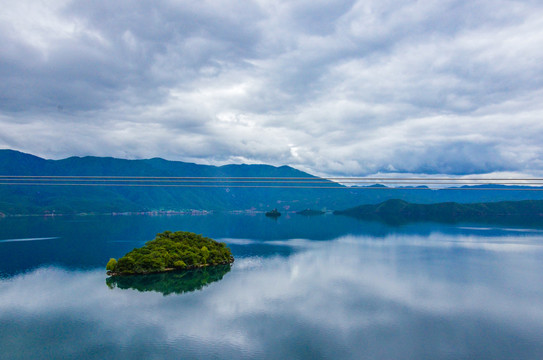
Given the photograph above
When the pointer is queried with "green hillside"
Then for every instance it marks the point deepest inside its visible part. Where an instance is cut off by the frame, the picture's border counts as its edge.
(41, 199)
(398, 210)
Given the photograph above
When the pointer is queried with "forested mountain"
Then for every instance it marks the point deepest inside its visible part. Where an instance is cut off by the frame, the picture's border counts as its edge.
(39, 199)
(15, 199)
(399, 210)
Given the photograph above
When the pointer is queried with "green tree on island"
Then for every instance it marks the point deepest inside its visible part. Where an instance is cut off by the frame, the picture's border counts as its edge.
(111, 264)
(171, 251)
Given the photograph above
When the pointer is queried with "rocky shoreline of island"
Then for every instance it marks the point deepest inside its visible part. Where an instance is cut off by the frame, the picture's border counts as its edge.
(167, 270)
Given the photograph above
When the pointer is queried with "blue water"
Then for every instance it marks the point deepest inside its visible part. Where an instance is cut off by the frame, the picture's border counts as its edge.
(327, 287)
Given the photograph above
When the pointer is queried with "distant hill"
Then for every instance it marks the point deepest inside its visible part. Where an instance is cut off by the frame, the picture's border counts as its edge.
(399, 210)
(98, 199)
(25, 199)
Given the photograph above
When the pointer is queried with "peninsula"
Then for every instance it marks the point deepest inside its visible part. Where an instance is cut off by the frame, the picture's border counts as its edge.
(399, 210)
(171, 251)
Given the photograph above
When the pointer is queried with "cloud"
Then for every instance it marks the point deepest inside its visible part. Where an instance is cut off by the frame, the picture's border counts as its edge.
(356, 88)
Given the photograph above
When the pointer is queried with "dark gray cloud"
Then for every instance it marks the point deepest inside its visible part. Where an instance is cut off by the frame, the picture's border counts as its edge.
(357, 87)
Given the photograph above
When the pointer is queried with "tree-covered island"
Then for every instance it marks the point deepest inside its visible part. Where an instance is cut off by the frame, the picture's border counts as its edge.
(171, 251)
(274, 213)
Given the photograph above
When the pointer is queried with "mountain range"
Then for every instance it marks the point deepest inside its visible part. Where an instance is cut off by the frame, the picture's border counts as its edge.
(42, 199)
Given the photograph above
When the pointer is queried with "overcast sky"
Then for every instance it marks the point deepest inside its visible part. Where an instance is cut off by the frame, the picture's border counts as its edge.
(331, 87)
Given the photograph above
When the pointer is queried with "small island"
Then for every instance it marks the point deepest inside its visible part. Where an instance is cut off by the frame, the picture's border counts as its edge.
(274, 213)
(171, 251)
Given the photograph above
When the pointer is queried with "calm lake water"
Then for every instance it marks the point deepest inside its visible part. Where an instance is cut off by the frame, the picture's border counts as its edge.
(327, 287)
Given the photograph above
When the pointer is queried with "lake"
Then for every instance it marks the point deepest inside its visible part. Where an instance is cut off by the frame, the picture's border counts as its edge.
(322, 287)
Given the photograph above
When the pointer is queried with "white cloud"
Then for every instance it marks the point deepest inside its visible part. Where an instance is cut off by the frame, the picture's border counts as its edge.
(355, 88)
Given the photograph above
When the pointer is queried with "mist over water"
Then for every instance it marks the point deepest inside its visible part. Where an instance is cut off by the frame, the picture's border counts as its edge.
(355, 290)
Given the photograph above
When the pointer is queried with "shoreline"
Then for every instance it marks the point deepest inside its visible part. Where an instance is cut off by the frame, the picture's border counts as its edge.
(167, 270)
(190, 212)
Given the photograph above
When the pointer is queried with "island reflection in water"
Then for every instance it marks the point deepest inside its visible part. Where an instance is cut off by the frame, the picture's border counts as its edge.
(399, 297)
(175, 282)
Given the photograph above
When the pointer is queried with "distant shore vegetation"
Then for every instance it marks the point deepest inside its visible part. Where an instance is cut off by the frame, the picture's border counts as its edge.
(399, 210)
(310, 212)
(171, 251)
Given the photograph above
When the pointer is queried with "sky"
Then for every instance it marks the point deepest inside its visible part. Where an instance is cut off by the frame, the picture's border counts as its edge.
(350, 88)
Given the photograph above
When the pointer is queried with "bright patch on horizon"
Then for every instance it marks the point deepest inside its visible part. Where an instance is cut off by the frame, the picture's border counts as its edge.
(29, 239)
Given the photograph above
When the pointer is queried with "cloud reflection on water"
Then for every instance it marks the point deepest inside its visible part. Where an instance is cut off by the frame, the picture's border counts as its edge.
(28, 239)
(401, 297)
